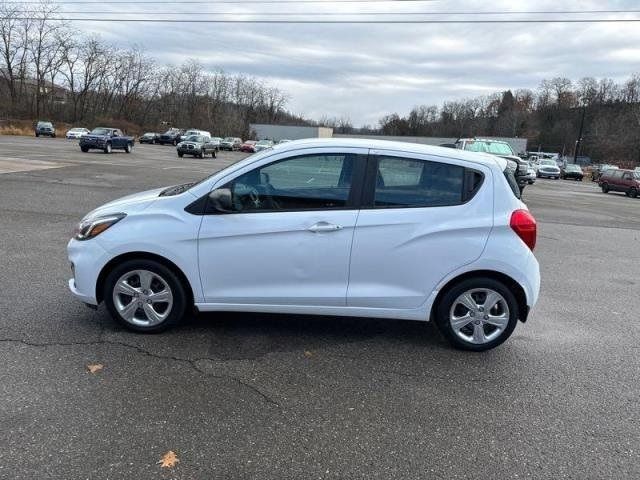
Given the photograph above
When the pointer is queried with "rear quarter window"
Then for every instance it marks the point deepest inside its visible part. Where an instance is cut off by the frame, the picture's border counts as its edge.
(408, 182)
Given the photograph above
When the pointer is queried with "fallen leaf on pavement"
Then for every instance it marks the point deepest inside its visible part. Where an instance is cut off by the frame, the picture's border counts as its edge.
(95, 367)
(308, 354)
(168, 460)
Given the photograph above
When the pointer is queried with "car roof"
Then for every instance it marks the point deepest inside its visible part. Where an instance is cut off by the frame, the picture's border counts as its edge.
(418, 148)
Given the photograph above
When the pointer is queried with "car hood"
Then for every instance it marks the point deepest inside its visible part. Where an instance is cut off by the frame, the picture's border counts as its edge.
(128, 204)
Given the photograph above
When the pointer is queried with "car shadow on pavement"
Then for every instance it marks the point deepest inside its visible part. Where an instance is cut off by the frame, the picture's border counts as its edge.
(239, 336)
(251, 335)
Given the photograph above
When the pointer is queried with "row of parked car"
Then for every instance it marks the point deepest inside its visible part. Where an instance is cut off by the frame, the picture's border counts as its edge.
(201, 142)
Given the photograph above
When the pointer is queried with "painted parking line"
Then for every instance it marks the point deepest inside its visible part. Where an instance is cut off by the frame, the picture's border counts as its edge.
(16, 164)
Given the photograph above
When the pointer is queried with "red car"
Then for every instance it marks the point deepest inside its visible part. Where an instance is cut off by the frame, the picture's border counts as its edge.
(627, 181)
(249, 146)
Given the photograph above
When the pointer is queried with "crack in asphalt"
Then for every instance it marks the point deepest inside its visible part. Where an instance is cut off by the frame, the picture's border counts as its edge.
(193, 363)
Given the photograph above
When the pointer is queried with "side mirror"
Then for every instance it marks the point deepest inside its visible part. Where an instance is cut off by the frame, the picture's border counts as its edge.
(221, 201)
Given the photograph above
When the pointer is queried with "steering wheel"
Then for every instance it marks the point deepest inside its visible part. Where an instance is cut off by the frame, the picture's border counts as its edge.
(246, 197)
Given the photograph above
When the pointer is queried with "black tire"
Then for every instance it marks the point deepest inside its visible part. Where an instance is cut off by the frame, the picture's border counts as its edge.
(180, 154)
(605, 188)
(633, 193)
(108, 148)
(214, 154)
(37, 134)
(203, 153)
(178, 292)
(128, 148)
(84, 149)
(175, 143)
(53, 136)
(450, 296)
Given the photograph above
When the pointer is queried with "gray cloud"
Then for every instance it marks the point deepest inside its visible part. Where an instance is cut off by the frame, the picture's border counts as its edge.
(366, 71)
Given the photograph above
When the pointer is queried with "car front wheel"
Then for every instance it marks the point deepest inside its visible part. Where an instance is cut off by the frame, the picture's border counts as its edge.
(477, 314)
(605, 188)
(144, 296)
(128, 148)
(633, 193)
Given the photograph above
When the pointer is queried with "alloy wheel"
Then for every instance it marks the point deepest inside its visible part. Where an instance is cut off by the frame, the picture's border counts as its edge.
(142, 298)
(479, 315)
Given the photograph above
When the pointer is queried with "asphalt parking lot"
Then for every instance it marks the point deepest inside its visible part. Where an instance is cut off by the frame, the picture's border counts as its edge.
(240, 396)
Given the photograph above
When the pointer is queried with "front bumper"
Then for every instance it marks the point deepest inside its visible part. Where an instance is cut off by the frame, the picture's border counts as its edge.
(548, 174)
(190, 151)
(87, 258)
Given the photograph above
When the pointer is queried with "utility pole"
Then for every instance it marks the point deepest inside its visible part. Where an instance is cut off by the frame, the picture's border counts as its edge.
(575, 154)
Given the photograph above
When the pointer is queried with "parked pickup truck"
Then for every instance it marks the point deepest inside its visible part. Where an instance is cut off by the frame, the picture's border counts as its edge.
(106, 139)
(500, 149)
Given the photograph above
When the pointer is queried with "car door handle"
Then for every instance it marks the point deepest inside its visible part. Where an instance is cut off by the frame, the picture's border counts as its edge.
(324, 227)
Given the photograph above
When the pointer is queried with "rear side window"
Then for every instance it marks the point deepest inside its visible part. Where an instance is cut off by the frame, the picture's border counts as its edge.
(407, 182)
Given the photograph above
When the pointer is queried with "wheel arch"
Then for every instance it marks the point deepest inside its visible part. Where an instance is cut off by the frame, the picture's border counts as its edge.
(142, 256)
(512, 284)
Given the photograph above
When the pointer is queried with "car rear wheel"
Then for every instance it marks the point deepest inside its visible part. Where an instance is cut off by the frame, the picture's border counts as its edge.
(84, 149)
(180, 154)
(633, 193)
(128, 148)
(144, 296)
(203, 153)
(477, 314)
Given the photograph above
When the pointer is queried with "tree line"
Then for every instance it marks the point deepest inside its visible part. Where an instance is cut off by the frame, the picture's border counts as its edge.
(549, 117)
(50, 71)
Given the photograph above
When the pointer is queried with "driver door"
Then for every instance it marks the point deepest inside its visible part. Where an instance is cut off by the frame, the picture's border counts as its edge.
(287, 239)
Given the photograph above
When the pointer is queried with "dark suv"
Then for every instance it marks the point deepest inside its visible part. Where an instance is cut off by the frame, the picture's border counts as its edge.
(627, 181)
(46, 129)
(171, 136)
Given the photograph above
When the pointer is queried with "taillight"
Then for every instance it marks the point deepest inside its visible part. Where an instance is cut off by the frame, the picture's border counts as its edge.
(523, 223)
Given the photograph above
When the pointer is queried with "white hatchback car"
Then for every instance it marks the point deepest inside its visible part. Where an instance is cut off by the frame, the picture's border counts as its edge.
(324, 227)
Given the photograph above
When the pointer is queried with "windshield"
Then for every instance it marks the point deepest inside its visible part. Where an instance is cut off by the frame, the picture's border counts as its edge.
(195, 138)
(228, 139)
(573, 168)
(264, 142)
(44, 124)
(171, 131)
(636, 175)
(548, 162)
(499, 148)
(100, 131)
(247, 160)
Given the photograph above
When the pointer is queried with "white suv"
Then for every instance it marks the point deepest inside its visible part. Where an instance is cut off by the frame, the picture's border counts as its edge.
(326, 227)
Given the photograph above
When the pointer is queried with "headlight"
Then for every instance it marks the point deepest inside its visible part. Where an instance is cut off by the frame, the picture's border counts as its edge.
(180, 144)
(93, 227)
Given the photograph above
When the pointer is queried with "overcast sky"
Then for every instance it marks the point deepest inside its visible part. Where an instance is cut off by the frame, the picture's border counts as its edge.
(366, 71)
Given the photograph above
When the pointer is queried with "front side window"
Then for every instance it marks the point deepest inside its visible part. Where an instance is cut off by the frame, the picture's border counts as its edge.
(310, 182)
(403, 182)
